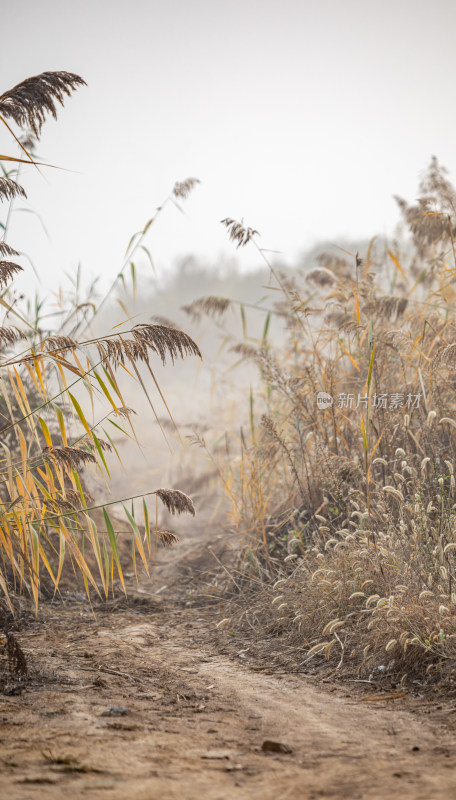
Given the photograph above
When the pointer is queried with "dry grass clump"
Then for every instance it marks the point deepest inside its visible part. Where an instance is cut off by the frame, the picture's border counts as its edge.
(374, 605)
(345, 493)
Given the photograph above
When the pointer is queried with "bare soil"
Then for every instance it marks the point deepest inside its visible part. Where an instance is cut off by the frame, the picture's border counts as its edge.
(138, 702)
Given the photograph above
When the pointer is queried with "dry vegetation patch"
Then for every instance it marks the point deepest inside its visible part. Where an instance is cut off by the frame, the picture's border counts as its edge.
(343, 492)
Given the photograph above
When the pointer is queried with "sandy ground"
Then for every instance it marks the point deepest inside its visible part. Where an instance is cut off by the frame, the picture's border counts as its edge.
(138, 702)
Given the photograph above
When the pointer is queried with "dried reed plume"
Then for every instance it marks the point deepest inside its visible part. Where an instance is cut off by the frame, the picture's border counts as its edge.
(389, 306)
(176, 501)
(69, 457)
(167, 538)
(10, 189)
(158, 338)
(321, 276)
(245, 350)
(212, 306)
(74, 497)
(238, 232)
(182, 189)
(28, 102)
(10, 335)
(102, 443)
(125, 411)
(59, 343)
(28, 140)
(166, 341)
(67, 505)
(7, 250)
(157, 319)
(7, 270)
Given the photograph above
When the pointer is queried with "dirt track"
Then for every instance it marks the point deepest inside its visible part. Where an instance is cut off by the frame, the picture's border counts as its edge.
(191, 723)
(137, 703)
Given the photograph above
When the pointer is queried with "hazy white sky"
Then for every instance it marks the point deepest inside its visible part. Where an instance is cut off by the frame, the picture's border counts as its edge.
(302, 117)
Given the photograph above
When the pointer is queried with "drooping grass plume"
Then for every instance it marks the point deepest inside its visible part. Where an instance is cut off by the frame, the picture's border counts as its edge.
(167, 538)
(211, 306)
(7, 270)
(175, 501)
(10, 335)
(10, 189)
(238, 232)
(59, 343)
(158, 319)
(182, 189)
(69, 457)
(7, 250)
(165, 341)
(28, 103)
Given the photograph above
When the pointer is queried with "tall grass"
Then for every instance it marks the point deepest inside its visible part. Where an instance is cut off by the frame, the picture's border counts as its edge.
(51, 384)
(344, 491)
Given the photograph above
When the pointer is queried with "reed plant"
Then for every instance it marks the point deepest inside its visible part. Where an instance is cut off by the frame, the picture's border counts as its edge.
(53, 382)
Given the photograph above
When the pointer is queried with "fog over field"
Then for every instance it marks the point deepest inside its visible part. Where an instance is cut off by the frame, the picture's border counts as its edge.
(301, 117)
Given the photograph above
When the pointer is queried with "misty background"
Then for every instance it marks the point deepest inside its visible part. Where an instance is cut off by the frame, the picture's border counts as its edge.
(301, 118)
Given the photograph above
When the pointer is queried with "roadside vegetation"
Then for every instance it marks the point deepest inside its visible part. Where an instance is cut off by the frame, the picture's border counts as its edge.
(342, 488)
(61, 401)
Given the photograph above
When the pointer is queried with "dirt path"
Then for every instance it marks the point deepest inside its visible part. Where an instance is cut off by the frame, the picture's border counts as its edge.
(137, 703)
(131, 704)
